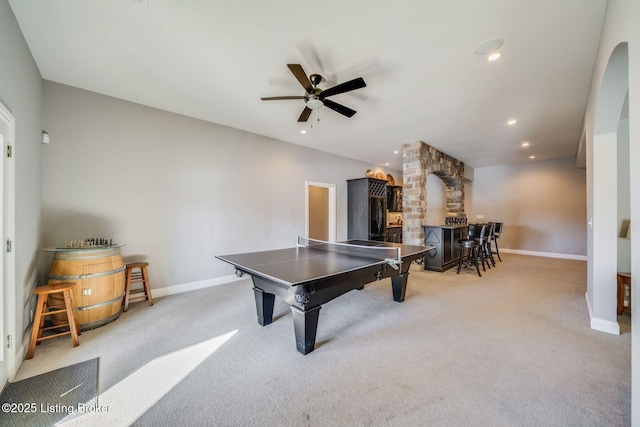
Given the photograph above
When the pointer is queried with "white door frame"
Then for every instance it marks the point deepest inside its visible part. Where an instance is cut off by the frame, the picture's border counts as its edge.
(332, 207)
(8, 291)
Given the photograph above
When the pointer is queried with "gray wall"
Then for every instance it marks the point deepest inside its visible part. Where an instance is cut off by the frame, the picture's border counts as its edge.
(176, 190)
(542, 205)
(624, 198)
(20, 92)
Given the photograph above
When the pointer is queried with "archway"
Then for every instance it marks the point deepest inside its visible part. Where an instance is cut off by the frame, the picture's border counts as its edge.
(602, 197)
(420, 160)
(436, 209)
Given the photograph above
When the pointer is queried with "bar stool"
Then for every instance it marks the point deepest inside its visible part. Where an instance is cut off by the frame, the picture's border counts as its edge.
(136, 272)
(472, 245)
(489, 237)
(496, 235)
(43, 310)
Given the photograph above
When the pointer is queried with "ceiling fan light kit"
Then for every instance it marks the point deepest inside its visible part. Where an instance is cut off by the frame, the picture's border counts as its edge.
(314, 103)
(314, 97)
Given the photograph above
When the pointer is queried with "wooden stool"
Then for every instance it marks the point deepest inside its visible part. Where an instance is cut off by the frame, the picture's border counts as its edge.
(624, 280)
(43, 310)
(139, 276)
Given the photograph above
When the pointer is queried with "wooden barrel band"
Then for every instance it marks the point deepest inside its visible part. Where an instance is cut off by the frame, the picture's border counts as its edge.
(87, 253)
(100, 304)
(65, 257)
(87, 276)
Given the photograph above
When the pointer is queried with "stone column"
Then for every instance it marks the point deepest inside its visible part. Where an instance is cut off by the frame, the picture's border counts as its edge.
(414, 188)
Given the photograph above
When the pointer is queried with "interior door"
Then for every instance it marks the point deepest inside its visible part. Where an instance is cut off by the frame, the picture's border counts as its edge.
(318, 213)
(321, 216)
(4, 374)
(7, 260)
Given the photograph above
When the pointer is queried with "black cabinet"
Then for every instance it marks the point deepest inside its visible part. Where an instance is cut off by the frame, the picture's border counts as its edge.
(445, 240)
(394, 198)
(367, 209)
(394, 234)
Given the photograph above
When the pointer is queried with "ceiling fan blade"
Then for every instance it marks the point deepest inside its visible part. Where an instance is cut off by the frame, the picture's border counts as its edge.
(343, 87)
(305, 114)
(345, 111)
(278, 98)
(299, 73)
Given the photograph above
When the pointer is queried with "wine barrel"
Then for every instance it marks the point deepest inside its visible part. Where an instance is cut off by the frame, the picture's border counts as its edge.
(99, 277)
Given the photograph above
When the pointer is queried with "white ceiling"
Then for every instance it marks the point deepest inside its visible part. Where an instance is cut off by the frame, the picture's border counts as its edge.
(215, 59)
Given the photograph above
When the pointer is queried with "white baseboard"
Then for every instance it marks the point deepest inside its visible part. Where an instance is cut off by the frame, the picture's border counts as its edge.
(192, 286)
(598, 324)
(544, 254)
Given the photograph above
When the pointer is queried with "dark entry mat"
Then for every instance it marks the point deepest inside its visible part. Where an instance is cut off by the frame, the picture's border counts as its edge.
(48, 398)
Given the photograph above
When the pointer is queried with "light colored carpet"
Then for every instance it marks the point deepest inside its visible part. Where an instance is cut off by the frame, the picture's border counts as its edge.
(511, 348)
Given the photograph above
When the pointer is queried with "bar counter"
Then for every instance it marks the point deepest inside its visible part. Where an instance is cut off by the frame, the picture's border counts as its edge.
(445, 240)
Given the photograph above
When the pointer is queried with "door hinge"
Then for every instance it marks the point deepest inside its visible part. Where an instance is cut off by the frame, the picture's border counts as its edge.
(9, 151)
(9, 341)
(8, 245)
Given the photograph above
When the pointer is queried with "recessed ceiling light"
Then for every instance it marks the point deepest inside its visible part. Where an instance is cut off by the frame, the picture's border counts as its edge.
(488, 46)
(494, 56)
(532, 157)
(396, 152)
(512, 122)
(303, 131)
(386, 164)
(524, 144)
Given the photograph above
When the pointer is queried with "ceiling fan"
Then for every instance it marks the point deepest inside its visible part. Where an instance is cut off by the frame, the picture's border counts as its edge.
(315, 97)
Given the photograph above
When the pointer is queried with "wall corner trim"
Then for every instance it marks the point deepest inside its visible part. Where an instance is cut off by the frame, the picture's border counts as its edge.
(598, 324)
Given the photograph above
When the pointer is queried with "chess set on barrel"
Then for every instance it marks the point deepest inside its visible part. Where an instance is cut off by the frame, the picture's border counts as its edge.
(94, 242)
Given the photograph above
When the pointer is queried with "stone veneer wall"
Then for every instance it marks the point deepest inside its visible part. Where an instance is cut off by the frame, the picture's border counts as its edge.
(418, 161)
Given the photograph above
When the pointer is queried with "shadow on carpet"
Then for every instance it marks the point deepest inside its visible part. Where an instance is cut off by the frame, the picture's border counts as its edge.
(47, 399)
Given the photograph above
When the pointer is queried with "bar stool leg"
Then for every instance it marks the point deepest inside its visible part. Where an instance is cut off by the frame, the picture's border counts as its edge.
(485, 257)
(127, 290)
(497, 250)
(71, 317)
(480, 256)
(476, 250)
(75, 314)
(490, 253)
(38, 322)
(461, 259)
(145, 283)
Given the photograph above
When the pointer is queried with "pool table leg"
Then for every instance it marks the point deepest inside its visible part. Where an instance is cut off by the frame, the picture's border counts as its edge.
(305, 325)
(399, 286)
(264, 306)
